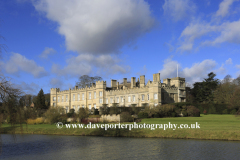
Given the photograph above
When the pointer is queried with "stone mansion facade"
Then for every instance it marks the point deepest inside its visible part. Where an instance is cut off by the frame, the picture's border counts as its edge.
(126, 94)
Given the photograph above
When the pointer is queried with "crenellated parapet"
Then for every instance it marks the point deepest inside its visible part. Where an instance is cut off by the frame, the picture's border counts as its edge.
(127, 91)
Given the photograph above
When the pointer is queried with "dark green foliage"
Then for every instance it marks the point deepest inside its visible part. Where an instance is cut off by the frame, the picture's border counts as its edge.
(40, 101)
(104, 110)
(225, 111)
(83, 113)
(142, 115)
(184, 113)
(173, 114)
(114, 110)
(126, 117)
(53, 115)
(156, 115)
(234, 111)
(203, 91)
(95, 112)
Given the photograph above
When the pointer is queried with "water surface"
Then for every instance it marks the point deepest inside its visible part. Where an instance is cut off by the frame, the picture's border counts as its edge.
(38, 147)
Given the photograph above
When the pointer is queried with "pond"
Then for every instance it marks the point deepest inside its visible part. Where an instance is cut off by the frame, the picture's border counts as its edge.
(36, 147)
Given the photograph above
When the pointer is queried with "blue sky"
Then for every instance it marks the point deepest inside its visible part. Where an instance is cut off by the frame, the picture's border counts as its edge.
(52, 43)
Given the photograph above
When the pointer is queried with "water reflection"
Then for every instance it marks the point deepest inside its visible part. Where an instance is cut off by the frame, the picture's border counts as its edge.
(78, 147)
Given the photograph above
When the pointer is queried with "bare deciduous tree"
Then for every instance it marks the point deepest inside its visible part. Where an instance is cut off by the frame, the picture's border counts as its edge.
(86, 81)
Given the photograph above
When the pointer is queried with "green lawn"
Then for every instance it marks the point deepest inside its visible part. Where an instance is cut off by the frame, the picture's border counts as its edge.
(217, 127)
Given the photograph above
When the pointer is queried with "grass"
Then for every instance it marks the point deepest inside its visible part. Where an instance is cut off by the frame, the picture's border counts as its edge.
(214, 127)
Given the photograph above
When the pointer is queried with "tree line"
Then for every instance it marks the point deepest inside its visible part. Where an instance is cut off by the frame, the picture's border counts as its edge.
(214, 95)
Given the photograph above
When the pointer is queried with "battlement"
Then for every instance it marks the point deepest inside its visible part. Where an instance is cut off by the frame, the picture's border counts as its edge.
(177, 78)
(101, 82)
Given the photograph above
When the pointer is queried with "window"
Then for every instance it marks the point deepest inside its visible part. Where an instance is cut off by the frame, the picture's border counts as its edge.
(106, 100)
(73, 97)
(143, 96)
(155, 96)
(155, 104)
(94, 106)
(73, 108)
(58, 98)
(54, 104)
(78, 97)
(181, 84)
(66, 98)
(94, 95)
(83, 96)
(54, 98)
(172, 96)
(90, 95)
(89, 107)
(111, 100)
(100, 93)
(100, 100)
(66, 109)
(122, 99)
(62, 98)
(148, 97)
(82, 106)
(78, 108)
(129, 98)
(133, 97)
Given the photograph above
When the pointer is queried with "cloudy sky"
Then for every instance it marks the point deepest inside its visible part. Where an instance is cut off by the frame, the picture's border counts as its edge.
(52, 43)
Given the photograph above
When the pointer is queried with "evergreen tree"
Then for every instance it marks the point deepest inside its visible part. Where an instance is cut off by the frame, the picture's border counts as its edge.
(40, 101)
(203, 91)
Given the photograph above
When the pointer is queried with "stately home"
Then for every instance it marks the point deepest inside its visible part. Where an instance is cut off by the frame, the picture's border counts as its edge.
(125, 94)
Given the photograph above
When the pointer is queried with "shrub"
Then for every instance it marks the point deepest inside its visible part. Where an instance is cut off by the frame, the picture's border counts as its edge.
(184, 113)
(156, 115)
(83, 113)
(142, 115)
(212, 110)
(233, 111)
(238, 112)
(95, 112)
(205, 112)
(126, 117)
(174, 114)
(193, 111)
(114, 110)
(225, 111)
(166, 110)
(35, 121)
(53, 115)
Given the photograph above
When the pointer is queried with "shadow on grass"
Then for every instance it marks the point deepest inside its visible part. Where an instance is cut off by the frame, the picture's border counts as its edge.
(9, 130)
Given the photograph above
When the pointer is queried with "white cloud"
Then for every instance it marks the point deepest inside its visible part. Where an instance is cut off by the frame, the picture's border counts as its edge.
(230, 32)
(31, 88)
(47, 51)
(98, 26)
(224, 7)
(229, 61)
(193, 31)
(18, 62)
(237, 66)
(225, 32)
(179, 9)
(195, 73)
(86, 64)
(169, 69)
(210, 33)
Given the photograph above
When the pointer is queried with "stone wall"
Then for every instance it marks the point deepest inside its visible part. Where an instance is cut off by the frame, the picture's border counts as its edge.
(110, 118)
